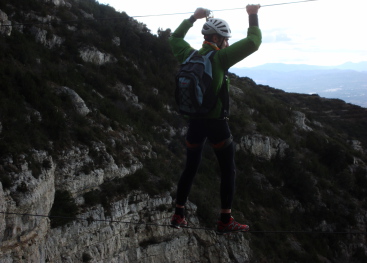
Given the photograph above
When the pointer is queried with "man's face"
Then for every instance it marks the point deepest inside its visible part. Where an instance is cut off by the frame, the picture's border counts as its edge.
(225, 43)
(222, 42)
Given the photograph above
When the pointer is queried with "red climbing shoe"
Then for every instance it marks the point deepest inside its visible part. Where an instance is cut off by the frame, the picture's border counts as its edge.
(177, 221)
(231, 227)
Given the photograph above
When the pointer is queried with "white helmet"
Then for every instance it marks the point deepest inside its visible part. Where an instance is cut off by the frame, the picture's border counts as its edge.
(216, 26)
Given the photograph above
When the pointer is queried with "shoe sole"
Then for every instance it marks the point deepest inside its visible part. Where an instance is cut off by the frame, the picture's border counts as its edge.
(177, 226)
(231, 232)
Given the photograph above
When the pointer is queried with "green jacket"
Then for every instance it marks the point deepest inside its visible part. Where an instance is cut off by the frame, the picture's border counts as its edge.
(222, 60)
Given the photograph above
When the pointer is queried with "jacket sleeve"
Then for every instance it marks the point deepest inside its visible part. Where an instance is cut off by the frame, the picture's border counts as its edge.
(180, 48)
(241, 49)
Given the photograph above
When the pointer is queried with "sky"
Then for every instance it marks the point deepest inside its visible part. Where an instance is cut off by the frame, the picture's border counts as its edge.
(321, 32)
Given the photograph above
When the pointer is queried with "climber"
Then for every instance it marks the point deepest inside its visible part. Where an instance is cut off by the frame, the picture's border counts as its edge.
(214, 126)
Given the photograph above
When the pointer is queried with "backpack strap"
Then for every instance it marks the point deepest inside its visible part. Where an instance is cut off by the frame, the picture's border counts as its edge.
(224, 96)
(223, 91)
(210, 54)
(189, 57)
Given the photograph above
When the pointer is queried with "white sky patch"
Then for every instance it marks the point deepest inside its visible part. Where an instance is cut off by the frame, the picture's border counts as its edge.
(322, 32)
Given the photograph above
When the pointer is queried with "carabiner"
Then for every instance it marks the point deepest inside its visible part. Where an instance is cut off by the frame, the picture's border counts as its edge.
(209, 14)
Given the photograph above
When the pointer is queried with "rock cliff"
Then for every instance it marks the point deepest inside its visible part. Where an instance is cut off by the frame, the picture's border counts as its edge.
(133, 230)
(92, 147)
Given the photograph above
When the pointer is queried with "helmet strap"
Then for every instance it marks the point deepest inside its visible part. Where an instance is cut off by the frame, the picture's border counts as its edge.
(220, 46)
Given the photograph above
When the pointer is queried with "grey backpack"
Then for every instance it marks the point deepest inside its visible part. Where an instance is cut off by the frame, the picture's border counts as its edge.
(194, 93)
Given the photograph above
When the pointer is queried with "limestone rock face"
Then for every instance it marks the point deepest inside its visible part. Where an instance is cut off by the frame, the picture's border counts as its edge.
(57, 2)
(300, 121)
(132, 229)
(116, 41)
(357, 145)
(126, 91)
(32, 192)
(78, 102)
(93, 55)
(78, 172)
(45, 38)
(2, 216)
(5, 24)
(262, 146)
(137, 231)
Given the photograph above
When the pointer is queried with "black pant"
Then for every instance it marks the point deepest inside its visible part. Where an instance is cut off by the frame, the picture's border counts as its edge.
(219, 135)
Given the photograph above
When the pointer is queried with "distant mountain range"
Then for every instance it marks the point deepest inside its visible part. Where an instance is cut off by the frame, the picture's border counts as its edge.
(360, 66)
(347, 82)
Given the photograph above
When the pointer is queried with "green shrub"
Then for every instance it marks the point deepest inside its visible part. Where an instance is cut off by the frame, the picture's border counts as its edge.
(335, 157)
